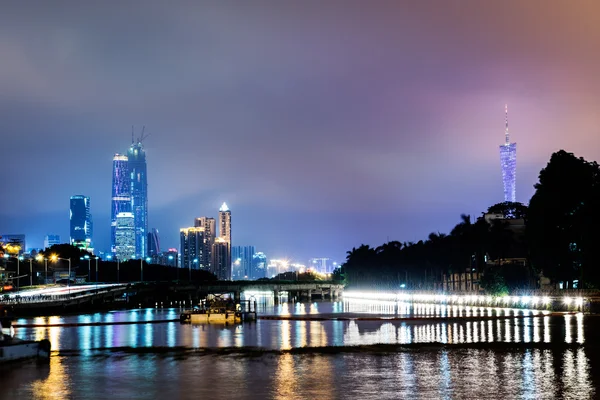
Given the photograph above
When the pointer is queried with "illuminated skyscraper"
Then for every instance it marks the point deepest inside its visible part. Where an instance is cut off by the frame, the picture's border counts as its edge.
(125, 236)
(192, 248)
(241, 256)
(225, 223)
(80, 221)
(121, 195)
(139, 195)
(153, 243)
(508, 162)
(209, 226)
(222, 248)
(222, 259)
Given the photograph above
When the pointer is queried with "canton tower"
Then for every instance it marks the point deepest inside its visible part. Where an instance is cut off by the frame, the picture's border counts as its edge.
(508, 162)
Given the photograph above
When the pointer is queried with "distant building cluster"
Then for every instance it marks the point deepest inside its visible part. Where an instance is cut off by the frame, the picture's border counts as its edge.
(201, 248)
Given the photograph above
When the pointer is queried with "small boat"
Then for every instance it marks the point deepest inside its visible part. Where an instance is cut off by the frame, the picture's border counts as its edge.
(219, 310)
(13, 349)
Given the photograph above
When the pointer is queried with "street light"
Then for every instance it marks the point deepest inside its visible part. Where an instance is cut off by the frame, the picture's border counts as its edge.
(86, 257)
(40, 258)
(96, 270)
(55, 258)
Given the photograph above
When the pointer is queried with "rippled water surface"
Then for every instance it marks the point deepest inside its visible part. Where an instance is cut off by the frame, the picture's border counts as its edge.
(529, 355)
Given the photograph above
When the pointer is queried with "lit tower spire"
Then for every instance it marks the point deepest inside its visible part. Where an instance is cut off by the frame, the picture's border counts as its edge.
(506, 124)
(508, 162)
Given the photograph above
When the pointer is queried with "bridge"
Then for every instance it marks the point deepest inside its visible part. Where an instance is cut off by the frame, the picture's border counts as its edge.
(61, 297)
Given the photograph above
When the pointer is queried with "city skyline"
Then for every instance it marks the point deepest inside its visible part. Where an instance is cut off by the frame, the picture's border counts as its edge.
(325, 135)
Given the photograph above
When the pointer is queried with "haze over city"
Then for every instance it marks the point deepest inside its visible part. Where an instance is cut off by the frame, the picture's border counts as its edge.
(323, 126)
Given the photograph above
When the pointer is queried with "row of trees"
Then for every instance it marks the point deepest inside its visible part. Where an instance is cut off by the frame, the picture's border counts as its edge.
(560, 240)
(421, 265)
(55, 259)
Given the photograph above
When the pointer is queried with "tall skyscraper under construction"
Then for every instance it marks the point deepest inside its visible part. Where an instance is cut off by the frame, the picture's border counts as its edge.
(139, 195)
(508, 162)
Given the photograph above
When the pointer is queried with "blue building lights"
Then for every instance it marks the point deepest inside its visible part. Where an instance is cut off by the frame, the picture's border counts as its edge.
(508, 162)
(121, 194)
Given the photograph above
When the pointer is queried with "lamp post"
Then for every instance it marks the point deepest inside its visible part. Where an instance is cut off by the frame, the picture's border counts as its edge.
(148, 259)
(40, 258)
(19, 258)
(86, 257)
(54, 257)
(30, 271)
(96, 271)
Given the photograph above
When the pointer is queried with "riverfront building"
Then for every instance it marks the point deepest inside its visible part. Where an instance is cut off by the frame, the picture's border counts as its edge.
(508, 162)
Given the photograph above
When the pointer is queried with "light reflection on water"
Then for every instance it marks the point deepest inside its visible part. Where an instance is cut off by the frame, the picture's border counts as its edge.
(530, 327)
(450, 372)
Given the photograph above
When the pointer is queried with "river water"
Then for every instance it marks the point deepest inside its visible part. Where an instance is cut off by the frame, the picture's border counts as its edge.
(532, 356)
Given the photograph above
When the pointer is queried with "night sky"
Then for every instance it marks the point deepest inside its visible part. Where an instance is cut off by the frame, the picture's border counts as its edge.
(322, 124)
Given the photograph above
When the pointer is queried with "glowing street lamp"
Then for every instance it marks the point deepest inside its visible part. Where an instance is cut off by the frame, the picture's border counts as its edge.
(87, 257)
(55, 258)
(40, 258)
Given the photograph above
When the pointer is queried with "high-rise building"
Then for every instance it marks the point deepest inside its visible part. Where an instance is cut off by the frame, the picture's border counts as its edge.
(139, 195)
(222, 259)
(192, 248)
(80, 221)
(125, 236)
(259, 266)
(51, 240)
(508, 162)
(153, 243)
(225, 223)
(210, 231)
(241, 257)
(121, 195)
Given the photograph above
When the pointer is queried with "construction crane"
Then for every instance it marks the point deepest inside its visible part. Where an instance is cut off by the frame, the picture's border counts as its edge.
(142, 136)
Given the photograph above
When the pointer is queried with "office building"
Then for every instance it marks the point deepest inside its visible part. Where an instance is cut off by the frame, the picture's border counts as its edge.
(80, 222)
(139, 195)
(125, 236)
(121, 195)
(242, 262)
(51, 240)
(192, 248)
(153, 243)
(508, 162)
